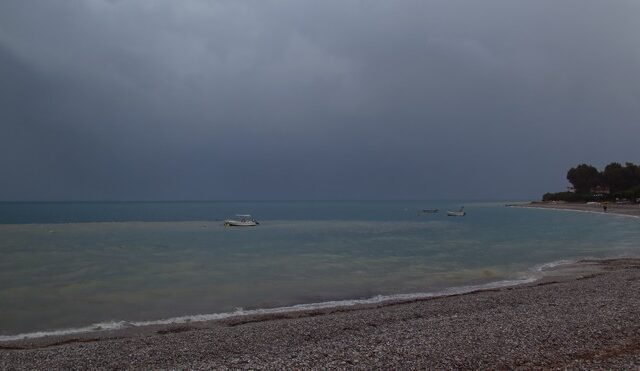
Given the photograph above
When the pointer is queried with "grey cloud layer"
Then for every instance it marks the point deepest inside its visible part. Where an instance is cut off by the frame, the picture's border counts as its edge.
(296, 99)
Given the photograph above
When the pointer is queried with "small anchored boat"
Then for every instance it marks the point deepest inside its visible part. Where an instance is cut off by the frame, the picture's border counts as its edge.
(430, 211)
(241, 221)
(460, 212)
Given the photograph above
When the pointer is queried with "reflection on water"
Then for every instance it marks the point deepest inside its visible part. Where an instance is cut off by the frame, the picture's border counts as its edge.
(68, 275)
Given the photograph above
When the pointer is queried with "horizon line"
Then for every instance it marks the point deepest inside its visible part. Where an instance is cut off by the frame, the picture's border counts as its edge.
(271, 200)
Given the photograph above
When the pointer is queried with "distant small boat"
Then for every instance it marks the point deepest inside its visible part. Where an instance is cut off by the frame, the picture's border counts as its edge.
(460, 212)
(431, 211)
(241, 221)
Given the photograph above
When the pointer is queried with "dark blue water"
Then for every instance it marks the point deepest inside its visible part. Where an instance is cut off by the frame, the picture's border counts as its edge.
(67, 265)
(80, 212)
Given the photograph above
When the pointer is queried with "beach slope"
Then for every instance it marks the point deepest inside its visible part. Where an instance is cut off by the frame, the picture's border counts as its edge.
(584, 316)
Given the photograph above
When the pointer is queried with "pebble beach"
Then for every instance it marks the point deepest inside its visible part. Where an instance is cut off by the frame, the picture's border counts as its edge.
(581, 316)
(628, 210)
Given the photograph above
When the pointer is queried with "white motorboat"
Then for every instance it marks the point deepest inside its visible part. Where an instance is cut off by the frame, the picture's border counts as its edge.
(460, 212)
(241, 221)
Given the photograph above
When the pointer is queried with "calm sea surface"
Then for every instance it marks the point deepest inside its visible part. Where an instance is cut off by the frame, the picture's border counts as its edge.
(69, 265)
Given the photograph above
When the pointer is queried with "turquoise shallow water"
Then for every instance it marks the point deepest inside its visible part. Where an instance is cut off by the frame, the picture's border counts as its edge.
(76, 264)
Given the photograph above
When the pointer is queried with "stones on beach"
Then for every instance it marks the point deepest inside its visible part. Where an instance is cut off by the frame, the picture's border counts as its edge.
(564, 323)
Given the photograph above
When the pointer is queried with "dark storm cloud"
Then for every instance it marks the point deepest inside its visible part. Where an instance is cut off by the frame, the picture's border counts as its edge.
(295, 99)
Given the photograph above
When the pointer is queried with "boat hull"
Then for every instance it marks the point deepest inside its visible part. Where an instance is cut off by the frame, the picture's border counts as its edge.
(456, 213)
(238, 223)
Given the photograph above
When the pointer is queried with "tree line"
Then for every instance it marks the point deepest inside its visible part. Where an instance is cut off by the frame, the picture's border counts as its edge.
(614, 182)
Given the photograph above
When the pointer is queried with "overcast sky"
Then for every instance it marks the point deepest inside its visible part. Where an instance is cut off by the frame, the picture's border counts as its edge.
(190, 99)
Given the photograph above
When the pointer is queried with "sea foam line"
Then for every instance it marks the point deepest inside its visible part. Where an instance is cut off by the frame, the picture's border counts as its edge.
(378, 299)
(578, 211)
(554, 264)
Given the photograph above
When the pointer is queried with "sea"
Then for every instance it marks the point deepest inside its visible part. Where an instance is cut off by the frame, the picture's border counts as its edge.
(68, 267)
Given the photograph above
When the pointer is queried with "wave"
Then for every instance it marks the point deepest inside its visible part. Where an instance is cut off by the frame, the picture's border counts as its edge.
(533, 275)
(555, 264)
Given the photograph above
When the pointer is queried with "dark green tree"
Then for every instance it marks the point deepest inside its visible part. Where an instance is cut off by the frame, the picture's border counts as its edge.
(616, 177)
(632, 175)
(583, 178)
(622, 182)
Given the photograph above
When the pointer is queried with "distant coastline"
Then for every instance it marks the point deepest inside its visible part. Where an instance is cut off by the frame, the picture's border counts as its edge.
(613, 184)
(627, 210)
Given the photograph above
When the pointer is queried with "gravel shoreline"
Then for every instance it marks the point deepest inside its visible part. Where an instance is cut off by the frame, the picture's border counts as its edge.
(612, 209)
(585, 315)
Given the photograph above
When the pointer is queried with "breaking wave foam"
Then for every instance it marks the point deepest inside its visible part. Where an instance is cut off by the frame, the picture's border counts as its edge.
(554, 264)
(536, 273)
